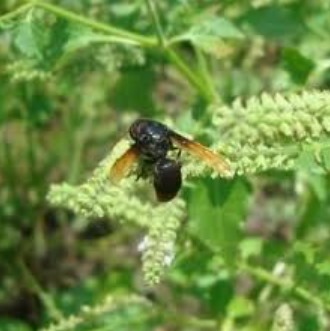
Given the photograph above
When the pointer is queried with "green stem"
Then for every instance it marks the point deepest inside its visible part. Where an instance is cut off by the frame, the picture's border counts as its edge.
(31, 143)
(11, 176)
(205, 73)
(208, 92)
(195, 323)
(32, 283)
(141, 40)
(153, 12)
(286, 285)
(105, 28)
(78, 149)
(16, 12)
(189, 74)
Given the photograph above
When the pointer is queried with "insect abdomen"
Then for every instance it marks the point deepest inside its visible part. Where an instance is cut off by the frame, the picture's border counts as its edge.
(167, 179)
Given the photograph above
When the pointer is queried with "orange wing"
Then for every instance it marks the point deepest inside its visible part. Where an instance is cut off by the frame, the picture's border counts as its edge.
(123, 164)
(215, 161)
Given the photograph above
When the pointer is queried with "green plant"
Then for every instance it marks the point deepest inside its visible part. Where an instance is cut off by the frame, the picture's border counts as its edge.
(248, 79)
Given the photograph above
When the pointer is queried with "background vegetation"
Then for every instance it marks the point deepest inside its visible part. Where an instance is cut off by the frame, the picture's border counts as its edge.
(244, 253)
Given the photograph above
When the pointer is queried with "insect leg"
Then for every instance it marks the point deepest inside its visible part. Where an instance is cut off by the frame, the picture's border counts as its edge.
(178, 156)
(144, 169)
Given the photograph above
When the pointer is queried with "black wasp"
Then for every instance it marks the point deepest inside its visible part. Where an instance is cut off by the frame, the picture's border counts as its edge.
(152, 143)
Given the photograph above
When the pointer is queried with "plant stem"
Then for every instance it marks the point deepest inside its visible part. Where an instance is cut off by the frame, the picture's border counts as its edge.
(205, 73)
(175, 58)
(105, 28)
(10, 173)
(196, 323)
(32, 283)
(155, 17)
(78, 149)
(18, 11)
(286, 285)
(189, 74)
(141, 40)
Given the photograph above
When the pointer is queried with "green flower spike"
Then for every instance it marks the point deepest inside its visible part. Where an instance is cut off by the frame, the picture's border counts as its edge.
(270, 132)
(263, 133)
(283, 320)
(90, 315)
(99, 198)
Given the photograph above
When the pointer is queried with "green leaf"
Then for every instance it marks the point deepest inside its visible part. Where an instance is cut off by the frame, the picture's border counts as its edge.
(81, 37)
(307, 163)
(298, 66)
(210, 35)
(251, 247)
(313, 174)
(40, 109)
(240, 307)
(216, 209)
(220, 294)
(325, 157)
(306, 249)
(49, 45)
(8, 324)
(215, 27)
(29, 37)
(323, 268)
(308, 321)
(124, 9)
(133, 91)
(40, 41)
(57, 38)
(280, 23)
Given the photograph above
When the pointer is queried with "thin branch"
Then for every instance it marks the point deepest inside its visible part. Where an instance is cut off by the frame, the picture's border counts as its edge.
(143, 41)
(155, 17)
(33, 285)
(102, 27)
(18, 11)
(205, 73)
(287, 285)
(189, 74)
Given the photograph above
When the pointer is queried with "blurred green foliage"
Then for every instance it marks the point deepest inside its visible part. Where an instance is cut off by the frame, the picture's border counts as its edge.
(75, 74)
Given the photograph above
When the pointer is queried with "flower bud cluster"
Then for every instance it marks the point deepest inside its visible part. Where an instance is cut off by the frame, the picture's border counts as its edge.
(270, 132)
(98, 197)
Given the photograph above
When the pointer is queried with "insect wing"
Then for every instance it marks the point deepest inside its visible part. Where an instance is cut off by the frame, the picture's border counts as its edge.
(123, 164)
(215, 161)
